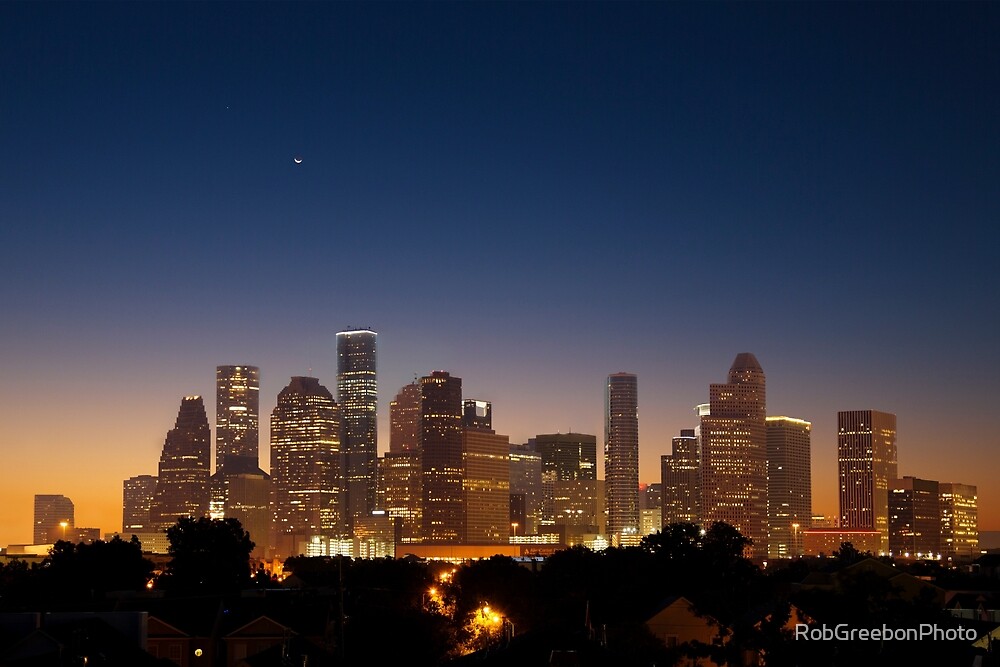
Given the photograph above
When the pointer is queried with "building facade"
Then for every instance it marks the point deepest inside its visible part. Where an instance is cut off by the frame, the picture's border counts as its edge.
(734, 453)
(357, 394)
(680, 472)
(305, 466)
(486, 486)
(959, 521)
(866, 461)
(568, 456)
(525, 489)
(621, 457)
(54, 518)
(404, 420)
(914, 518)
(182, 485)
(441, 464)
(789, 485)
(137, 499)
(237, 413)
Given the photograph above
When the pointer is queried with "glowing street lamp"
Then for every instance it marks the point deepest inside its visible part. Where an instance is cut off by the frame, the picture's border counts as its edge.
(64, 525)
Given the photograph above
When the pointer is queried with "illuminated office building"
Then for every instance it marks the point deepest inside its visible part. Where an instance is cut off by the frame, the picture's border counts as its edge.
(568, 456)
(442, 468)
(789, 485)
(182, 485)
(866, 461)
(621, 457)
(54, 518)
(679, 481)
(486, 486)
(237, 413)
(400, 491)
(733, 440)
(305, 466)
(959, 521)
(357, 394)
(137, 498)
(914, 518)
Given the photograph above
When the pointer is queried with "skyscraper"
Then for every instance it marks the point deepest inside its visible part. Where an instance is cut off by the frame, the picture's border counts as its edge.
(237, 413)
(182, 483)
(442, 468)
(305, 465)
(54, 519)
(357, 393)
(621, 457)
(486, 486)
(525, 489)
(734, 453)
(959, 521)
(679, 481)
(789, 485)
(914, 518)
(866, 461)
(569, 456)
(404, 420)
(137, 498)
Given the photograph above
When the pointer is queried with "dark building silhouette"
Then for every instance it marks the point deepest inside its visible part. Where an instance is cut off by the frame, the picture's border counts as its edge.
(305, 465)
(914, 518)
(568, 456)
(734, 453)
(357, 394)
(789, 485)
(621, 457)
(477, 414)
(404, 420)
(54, 518)
(526, 489)
(182, 485)
(442, 468)
(680, 489)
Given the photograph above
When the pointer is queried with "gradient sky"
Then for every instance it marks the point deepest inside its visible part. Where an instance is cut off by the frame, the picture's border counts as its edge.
(531, 196)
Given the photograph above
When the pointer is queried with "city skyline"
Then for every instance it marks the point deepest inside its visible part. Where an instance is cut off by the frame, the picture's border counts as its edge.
(530, 197)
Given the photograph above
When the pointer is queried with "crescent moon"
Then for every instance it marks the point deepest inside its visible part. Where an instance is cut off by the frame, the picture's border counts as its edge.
(298, 160)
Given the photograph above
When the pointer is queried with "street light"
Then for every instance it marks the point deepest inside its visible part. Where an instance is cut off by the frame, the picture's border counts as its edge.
(795, 539)
(64, 524)
(513, 528)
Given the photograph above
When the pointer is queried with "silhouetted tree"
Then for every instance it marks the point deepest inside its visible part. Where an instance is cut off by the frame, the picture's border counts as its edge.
(74, 571)
(208, 555)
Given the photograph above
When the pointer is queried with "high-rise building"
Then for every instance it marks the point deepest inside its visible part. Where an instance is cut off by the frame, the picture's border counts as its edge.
(679, 481)
(914, 518)
(400, 486)
(357, 393)
(486, 486)
(182, 485)
(237, 413)
(621, 457)
(477, 414)
(305, 465)
(442, 468)
(137, 498)
(959, 521)
(866, 461)
(525, 489)
(789, 485)
(404, 420)
(734, 453)
(568, 456)
(54, 518)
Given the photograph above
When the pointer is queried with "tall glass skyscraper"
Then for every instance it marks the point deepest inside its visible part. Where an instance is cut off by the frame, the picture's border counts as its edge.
(182, 483)
(734, 453)
(305, 465)
(621, 457)
(866, 461)
(357, 393)
(789, 485)
(442, 468)
(237, 413)
(54, 515)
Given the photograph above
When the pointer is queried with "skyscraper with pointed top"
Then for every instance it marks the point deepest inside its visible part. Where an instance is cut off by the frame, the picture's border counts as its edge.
(357, 395)
(734, 453)
(182, 485)
(621, 457)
